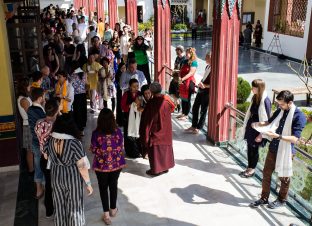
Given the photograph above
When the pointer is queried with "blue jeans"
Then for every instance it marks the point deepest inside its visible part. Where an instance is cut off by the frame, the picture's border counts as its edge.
(38, 177)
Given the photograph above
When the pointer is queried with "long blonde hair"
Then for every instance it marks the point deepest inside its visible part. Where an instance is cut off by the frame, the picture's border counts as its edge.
(192, 52)
(260, 84)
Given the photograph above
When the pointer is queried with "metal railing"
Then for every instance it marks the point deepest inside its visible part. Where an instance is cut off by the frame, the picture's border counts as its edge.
(300, 194)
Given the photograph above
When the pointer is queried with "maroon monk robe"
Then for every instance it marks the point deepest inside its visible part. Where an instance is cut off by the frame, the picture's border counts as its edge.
(156, 133)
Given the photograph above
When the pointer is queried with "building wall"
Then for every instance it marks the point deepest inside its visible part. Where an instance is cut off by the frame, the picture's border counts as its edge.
(257, 6)
(294, 47)
(122, 13)
(148, 8)
(8, 144)
(61, 3)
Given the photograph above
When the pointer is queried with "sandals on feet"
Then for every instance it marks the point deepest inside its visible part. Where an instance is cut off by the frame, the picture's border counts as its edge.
(246, 174)
(195, 131)
(113, 214)
(190, 129)
(107, 220)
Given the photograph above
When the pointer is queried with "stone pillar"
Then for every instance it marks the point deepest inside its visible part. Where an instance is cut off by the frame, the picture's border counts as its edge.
(224, 66)
(162, 41)
(112, 13)
(91, 7)
(132, 15)
(85, 4)
(100, 9)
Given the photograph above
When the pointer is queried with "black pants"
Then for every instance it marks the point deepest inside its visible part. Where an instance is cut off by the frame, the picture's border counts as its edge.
(253, 156)
(108, 180)
(113, 104)
(48, 201)
(186, 104)
(118, 109)
(201, 101)
(145, 69)
(132, 144)
(194, 34)
(80, 110)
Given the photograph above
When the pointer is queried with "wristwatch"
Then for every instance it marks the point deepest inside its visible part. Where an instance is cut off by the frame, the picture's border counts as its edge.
(280, 137)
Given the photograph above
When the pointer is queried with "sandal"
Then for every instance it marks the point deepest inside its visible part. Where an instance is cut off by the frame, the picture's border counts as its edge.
(189, 129)
(180, 116)
(195, 131)
(107, 220)
(247, 175)
(184, 118)
(242, 173)
(113, 214)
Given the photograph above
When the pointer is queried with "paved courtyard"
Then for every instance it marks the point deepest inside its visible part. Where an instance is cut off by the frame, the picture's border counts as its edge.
(202, 189)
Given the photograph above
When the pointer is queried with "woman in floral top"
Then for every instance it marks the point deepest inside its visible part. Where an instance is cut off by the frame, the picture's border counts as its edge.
(107, 147)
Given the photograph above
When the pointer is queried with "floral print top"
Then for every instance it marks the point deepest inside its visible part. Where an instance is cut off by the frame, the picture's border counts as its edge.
(108, 151)
(43, 130)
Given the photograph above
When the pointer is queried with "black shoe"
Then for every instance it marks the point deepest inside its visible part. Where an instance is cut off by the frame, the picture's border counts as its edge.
(276, 204)
(259, 202)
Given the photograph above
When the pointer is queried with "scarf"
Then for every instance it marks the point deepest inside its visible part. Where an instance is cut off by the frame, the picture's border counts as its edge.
(58, 91)
(35, 85)
(283, 164)
(63, 136)
(134, 121)
(263, 117)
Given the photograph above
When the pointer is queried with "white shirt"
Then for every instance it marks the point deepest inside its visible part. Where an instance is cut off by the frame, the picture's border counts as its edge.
(124, 40)
(90, 35)
(69, 25)
(22, 111)
(82, 27)
(70, 95)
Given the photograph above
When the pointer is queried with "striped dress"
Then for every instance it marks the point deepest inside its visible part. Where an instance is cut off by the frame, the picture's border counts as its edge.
(67, 183)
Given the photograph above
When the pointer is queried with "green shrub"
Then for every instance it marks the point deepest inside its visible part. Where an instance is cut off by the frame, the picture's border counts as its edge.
(146, 25)
(243, 90)
(178, 27)
(307, 113)
(243, 107)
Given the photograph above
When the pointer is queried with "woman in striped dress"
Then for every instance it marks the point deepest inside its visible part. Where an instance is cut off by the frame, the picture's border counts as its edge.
(69, 170)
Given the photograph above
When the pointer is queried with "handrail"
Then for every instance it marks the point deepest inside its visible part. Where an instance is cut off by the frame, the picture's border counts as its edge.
(231, 107)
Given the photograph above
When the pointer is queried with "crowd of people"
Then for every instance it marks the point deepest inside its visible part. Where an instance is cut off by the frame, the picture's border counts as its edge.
(245, 37)
(88, 60)
(282, 129)
(85, 59)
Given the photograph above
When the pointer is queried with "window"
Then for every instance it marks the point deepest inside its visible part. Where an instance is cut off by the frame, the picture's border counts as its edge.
(288, 17)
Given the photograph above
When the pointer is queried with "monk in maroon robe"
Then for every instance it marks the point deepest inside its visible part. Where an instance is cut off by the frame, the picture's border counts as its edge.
(156, 131)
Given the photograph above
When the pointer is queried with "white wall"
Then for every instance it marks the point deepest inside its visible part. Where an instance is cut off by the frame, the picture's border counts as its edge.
(294, 47)
(148, 7)
(62, 3)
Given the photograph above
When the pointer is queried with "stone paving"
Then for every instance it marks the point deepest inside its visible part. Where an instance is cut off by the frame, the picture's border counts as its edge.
(202, 189)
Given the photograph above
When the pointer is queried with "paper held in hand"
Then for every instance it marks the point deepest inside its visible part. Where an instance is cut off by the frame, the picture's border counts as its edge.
(265, 129)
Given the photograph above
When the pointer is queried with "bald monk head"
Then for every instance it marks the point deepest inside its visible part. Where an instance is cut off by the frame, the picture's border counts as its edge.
(45, 71)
